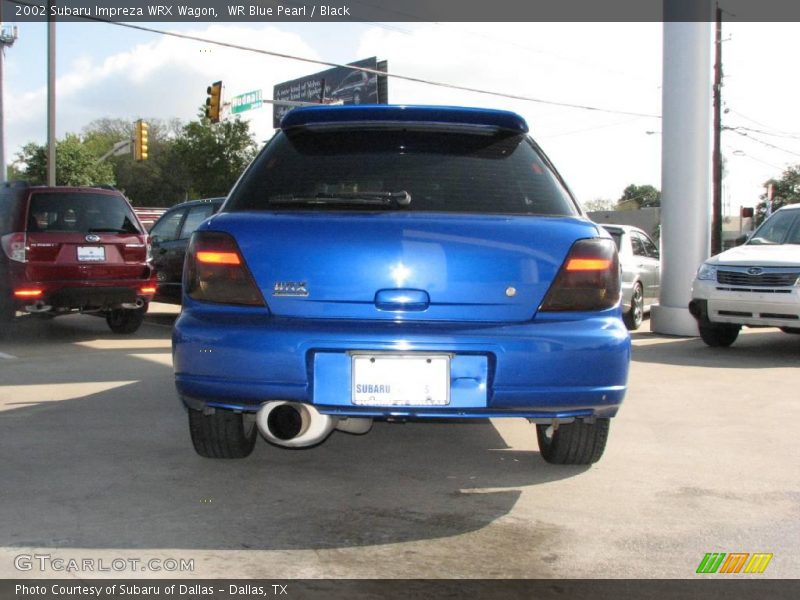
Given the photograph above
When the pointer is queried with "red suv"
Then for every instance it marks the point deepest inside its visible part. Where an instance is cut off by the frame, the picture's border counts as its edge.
(73, 249)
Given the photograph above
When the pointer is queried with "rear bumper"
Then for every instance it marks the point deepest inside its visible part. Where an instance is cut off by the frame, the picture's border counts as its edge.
(84, 295)
(540, 369)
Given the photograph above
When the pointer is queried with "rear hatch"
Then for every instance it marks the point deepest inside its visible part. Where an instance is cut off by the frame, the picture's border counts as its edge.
(83, 235)
(403, 266)
(404, 213)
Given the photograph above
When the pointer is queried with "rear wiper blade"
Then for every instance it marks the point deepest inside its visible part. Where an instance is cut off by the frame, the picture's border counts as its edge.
(107, 230)
(401, 198)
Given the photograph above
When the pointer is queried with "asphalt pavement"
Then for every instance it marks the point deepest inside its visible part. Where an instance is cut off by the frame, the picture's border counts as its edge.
(97, 466)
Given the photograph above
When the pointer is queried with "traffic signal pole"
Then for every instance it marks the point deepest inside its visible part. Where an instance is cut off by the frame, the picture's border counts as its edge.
(716, 177)
(51, 97)
(8, 36)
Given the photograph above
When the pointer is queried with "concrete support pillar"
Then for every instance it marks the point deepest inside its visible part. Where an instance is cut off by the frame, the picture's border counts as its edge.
(685, 168)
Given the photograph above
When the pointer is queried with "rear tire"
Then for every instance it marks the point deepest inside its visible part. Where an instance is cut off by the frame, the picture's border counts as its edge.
(223, 434)
(635, 315)
(718, 336)
(576, 443)
(125, 320)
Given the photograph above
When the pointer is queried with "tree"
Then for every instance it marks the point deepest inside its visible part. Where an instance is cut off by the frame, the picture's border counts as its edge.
(599, 205)
(635, 197)
(186, 161)
(158, 181)
(76, 165)
(785, 190)
(214, 154)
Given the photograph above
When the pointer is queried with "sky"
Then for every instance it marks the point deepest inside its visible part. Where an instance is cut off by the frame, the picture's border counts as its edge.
(104, 70)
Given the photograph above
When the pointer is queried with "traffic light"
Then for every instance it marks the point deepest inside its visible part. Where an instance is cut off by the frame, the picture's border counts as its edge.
(140, 128)
(214, 101)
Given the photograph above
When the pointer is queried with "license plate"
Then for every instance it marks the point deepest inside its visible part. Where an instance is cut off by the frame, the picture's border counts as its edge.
(91, 253)
(400, 379)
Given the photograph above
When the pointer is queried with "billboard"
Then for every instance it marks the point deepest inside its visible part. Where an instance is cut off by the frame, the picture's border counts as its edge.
(338, 84)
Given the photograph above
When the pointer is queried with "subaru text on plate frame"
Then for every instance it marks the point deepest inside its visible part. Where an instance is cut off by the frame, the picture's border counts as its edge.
(400, 262)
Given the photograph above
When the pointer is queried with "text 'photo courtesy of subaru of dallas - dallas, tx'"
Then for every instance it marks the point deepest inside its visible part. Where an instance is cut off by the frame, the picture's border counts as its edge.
(395, 263)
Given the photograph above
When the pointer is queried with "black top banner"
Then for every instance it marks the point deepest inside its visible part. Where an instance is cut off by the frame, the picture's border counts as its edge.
(210, 11)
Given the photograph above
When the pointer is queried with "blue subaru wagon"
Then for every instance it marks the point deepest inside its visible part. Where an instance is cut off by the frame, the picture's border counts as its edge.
(400, 262)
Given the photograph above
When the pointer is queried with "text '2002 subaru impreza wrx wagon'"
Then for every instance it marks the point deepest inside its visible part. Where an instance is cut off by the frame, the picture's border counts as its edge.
(398, 262)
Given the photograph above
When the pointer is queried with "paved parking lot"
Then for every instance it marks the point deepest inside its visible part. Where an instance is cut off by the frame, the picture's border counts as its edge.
(97, 465)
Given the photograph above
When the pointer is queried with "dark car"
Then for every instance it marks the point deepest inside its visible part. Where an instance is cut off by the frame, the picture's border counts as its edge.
(170, 237)
(73, 249)
(400, 262)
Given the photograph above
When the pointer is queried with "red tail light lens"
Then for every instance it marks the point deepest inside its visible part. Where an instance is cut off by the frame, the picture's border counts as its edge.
(26, 293)
(216, 272)
(588, 279)
(15, 246)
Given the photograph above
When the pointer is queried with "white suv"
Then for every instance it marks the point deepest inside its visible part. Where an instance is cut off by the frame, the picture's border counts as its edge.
(756, 284)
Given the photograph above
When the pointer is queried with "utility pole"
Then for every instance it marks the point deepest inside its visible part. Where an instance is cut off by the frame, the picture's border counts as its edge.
(716, 166)
(51, 96)
(8, 36)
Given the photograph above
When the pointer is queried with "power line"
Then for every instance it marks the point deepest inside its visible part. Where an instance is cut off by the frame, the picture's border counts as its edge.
(755, 139)
(374, 71)
(615, 124)
(761, 131)
(504, 41)
(364, 69)
(759, 122)
(751, 157)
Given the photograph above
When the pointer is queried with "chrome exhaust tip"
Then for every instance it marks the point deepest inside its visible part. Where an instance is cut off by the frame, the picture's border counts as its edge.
(133, 305)
(299, 425)
(293, 424)
(39, 307)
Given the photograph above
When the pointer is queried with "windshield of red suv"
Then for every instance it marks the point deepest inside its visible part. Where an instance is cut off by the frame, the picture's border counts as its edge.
(80, 212)
(402, 169)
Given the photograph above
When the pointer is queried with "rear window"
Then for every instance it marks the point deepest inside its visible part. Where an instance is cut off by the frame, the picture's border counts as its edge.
(439, 170)
(80, 212)
(9, 210)
(616, 235)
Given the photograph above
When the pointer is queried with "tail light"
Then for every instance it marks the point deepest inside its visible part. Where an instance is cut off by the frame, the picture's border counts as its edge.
(15, 246)
(216, 272)
(588, 279)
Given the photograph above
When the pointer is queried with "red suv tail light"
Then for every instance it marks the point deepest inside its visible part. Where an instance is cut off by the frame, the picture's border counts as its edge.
(216, 272)
(15, 246)
(588, 279)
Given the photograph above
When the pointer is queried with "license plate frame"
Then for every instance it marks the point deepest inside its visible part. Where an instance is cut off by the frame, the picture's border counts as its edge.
(91, 254)
(399, 379)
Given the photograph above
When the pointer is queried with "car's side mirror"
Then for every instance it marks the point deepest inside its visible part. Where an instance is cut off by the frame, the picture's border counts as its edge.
(155, 239)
